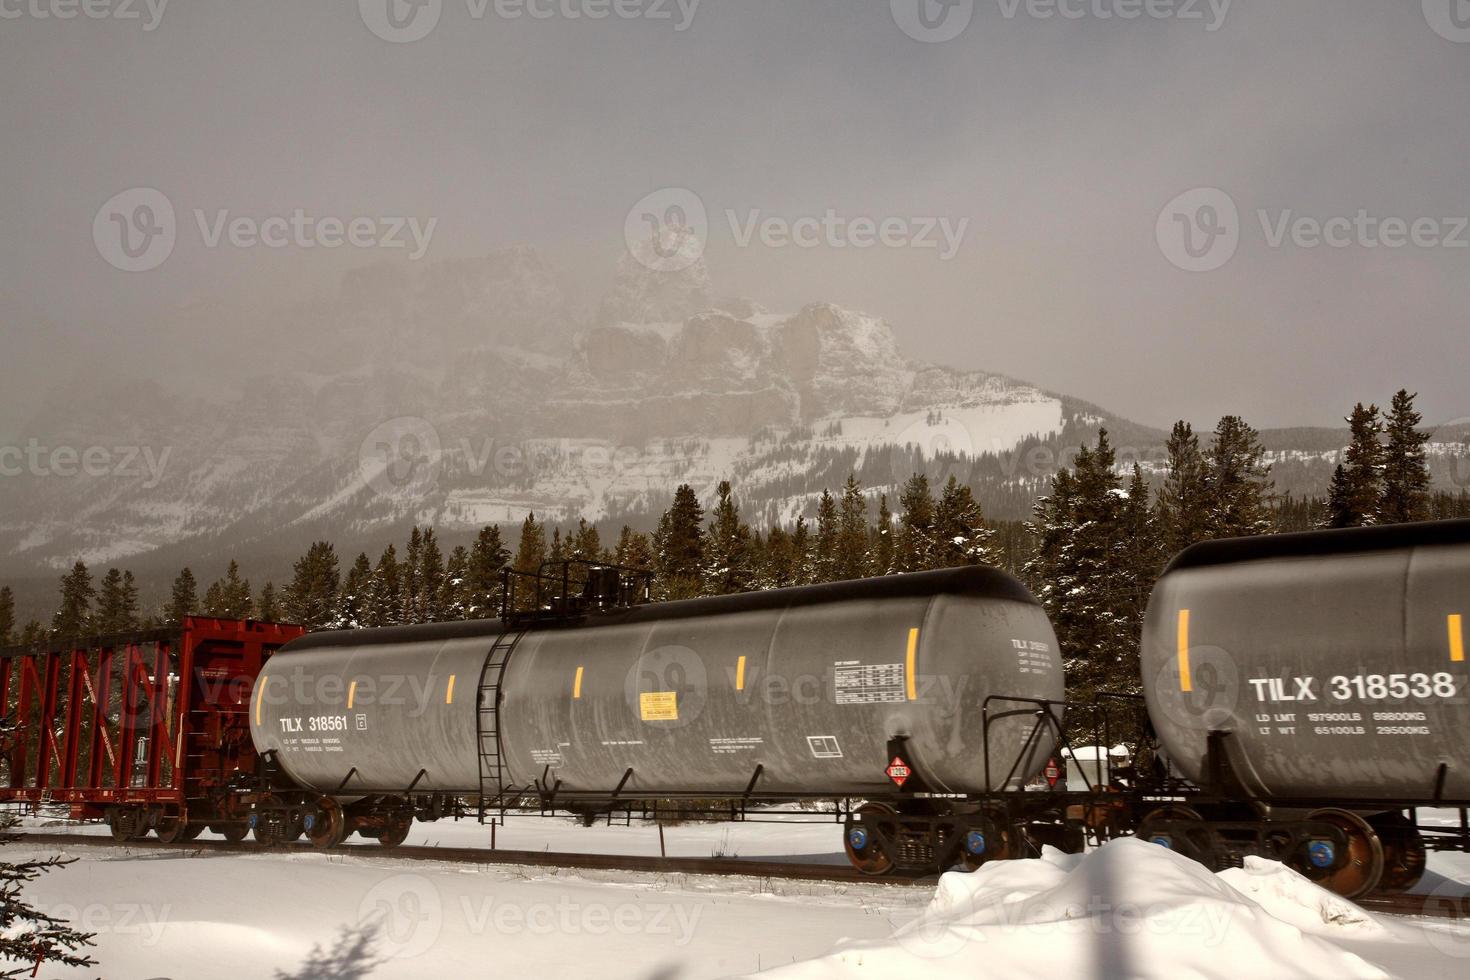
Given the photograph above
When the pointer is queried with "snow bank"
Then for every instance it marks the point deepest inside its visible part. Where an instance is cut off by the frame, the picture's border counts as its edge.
(1129, 909)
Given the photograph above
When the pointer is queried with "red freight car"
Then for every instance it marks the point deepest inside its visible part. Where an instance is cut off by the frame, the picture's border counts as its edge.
(148, 731)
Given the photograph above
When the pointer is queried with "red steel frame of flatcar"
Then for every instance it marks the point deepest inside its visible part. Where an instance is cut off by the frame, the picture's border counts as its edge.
(165, 731)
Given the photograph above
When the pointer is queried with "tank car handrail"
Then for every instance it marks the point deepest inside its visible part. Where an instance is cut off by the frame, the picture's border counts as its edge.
(1041, 709)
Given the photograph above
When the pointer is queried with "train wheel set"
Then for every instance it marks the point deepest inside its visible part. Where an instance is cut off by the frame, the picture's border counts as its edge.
(1303, 698)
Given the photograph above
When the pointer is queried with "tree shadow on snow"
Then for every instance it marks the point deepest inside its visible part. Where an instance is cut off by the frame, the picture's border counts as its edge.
(353, 956)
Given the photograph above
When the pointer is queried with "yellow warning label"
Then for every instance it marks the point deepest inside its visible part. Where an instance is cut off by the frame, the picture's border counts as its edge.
(659, 706)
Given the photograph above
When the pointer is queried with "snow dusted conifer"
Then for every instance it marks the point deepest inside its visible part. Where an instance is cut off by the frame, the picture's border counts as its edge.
(916, 550)
(824, 546)
(730, 559)
(1405, 468)
(480, 595)
(883, 539)
(74, 616)
(961, 534)
(1357, 485)
(852, 559)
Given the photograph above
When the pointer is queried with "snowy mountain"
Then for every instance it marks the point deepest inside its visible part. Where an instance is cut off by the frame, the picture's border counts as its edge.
(474, 391)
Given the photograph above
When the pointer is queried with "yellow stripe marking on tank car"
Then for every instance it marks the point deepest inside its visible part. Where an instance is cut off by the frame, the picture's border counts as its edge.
(449, 693)
(351, 693)
(1457, 638)
(908, 664)
(577, 685)
(740, 674)
(259, 697)
(1186, 683)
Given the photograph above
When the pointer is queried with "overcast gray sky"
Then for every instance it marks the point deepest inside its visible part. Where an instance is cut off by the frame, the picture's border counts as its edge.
(1062, 140)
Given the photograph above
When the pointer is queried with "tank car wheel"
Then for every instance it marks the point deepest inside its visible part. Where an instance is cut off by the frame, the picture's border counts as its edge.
(395, 831)
(862, 846)
(327, 827)
(1404, 853)
(234, 831)
(1352, 874)
(1151, 831)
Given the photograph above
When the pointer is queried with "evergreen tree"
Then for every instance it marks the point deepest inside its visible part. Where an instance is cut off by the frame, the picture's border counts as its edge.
(1357, 485)
(409, 584)
(961, 534)
(1086, 574)
(731, 566)
(679, 546)
(915, 551)
(385, 592)
(1405, 467)
(852, 557)
(451, 592)
(311, 598)
(480, 595)
(530, 553)
(1237, 481)
(117, 604)
(634, 550)
(585, 544)
(778, 565)
(28, 934)
(74, 617)
(1183, 512)
(824, 546)
(269, 611)
(229, 597)
(801, 554)
(184, 599)
(7, 617)
(883, 548)
(428, 606)
(353, 598)
(34, 634)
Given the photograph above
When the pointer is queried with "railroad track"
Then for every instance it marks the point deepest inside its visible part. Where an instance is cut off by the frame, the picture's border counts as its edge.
(536, 859)
(1432, 906)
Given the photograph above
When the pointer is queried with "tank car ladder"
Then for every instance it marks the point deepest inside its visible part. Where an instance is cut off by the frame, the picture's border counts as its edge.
(493, 790)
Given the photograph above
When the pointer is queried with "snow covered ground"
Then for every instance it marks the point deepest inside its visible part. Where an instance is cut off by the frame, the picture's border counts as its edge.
(1129, 909)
